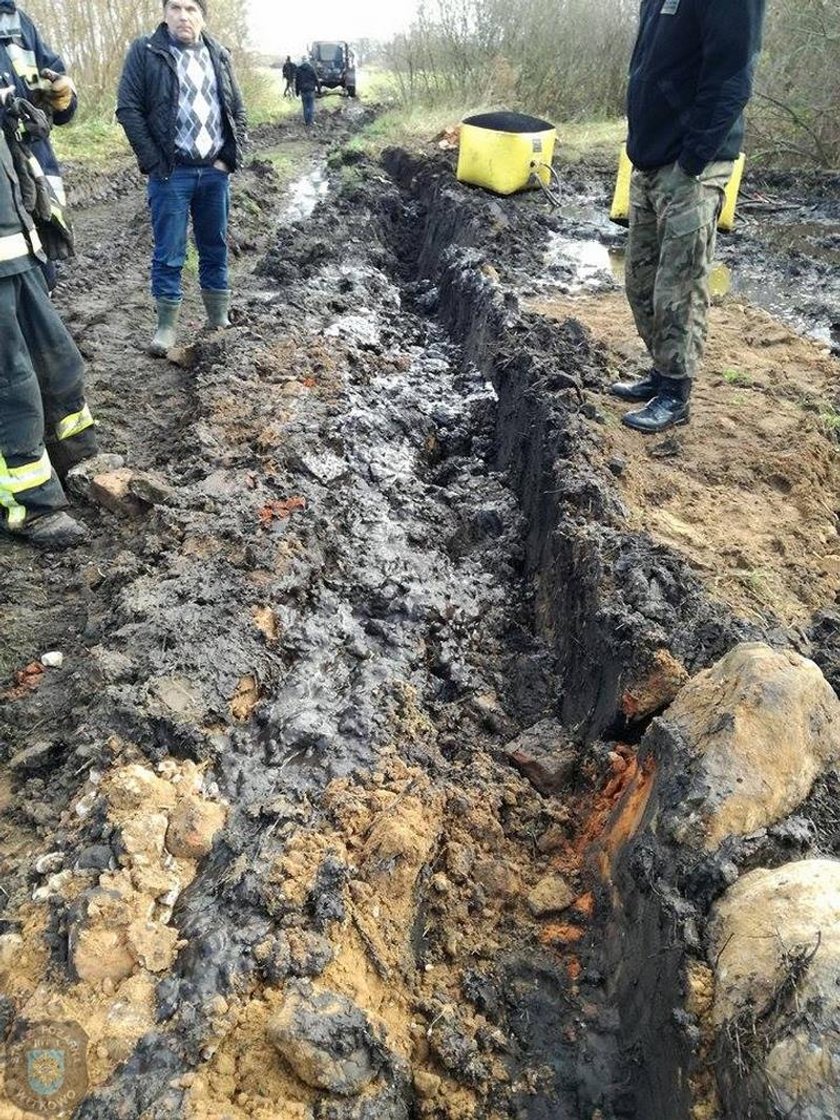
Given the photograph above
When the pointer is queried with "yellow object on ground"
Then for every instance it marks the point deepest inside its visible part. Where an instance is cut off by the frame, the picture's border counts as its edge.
(501, 151)
(620, 209)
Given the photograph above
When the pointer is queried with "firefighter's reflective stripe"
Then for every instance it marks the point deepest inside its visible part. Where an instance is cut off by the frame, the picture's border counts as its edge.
(74, 424)
(15, 513)
(16, 245)
(24, 62)
(57, 185)
(14, 480)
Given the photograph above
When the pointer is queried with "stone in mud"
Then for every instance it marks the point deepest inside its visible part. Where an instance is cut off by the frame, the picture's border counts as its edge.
(760, 726)
(193, 826)
(775, 946)
(652, 690)
(551, 895)
(152, 944)
(545, 755)
(151, 488)
(11, 946)
(111, 490)
(102, 954)
(136, 787)
(80, 478)
(327, 1040)
(497, 878)
(33, 759)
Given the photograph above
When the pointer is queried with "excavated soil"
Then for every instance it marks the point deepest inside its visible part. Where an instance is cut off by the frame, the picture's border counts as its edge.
(353, 676)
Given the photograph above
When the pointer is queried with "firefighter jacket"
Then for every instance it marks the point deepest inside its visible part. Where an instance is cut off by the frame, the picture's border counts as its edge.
(23, 55)
(20, 246)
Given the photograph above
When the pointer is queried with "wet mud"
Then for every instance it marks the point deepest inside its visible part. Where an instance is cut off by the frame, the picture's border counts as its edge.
(358, 682)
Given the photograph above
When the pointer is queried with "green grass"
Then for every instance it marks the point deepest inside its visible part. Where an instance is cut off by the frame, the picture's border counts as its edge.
(290, 158)
(191, 261)
(408, 126)
(736, 377)
(92, 140)
(830, 419)
(590, 141)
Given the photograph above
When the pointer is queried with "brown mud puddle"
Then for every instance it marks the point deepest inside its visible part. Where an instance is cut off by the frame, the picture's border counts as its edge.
(747, 492)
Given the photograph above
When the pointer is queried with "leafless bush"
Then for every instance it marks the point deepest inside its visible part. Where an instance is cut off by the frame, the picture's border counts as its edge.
(795, 114)
(568, 59)
(566, 56)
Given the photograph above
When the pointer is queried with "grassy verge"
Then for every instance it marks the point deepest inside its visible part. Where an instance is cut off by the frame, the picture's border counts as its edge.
(92, 140)
(419, 123)
(590, 142)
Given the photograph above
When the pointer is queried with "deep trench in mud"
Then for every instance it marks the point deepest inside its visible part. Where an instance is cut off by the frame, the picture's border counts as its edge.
(374, 561)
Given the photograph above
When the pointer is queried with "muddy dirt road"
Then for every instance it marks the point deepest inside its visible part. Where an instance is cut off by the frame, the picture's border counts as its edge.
(312, 822)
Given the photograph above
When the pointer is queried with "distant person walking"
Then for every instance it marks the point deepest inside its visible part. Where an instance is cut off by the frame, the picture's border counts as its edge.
(182, 112)
(289, 71)
(691, 76)
(306, 86)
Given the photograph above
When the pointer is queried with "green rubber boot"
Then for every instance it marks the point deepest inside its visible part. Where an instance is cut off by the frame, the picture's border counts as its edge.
(217, 305)
(168, 311)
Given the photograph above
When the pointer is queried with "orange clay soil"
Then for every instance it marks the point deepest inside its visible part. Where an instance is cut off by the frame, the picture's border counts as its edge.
(747, 492)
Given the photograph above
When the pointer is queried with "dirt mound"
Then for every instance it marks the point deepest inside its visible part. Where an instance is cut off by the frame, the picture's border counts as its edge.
(747, 491)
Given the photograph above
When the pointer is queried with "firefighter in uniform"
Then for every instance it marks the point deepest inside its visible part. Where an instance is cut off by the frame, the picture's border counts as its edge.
(43, 414)
(37, 74)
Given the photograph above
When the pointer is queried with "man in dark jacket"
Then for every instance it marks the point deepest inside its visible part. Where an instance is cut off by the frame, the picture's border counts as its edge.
(42, 401)
(37, 74)
(306, 85)
(690, 79)
(182, 112)
(289, 71)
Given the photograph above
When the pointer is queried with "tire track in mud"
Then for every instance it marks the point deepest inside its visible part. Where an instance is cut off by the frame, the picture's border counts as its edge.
(317, 633)
(280, 862)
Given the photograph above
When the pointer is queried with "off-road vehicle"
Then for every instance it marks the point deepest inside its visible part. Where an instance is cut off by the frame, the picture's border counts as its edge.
(335, 66)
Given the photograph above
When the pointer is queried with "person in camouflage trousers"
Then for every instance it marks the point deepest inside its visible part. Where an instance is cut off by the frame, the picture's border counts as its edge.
(690, 79)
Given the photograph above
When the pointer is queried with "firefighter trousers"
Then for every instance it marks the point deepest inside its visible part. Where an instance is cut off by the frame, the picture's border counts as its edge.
(41, 400)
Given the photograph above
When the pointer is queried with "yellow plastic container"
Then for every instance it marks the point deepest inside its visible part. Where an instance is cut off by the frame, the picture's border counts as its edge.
(501, 151)
(620, 209)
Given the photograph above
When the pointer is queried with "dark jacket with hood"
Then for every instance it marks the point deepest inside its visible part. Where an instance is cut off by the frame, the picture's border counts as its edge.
(306, 80)
(690, 78)
(25, 54)
(147, 103)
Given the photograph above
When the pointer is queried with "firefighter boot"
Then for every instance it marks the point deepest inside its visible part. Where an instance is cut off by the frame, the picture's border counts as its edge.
(53, 530)
(168, 311)
(217, 305)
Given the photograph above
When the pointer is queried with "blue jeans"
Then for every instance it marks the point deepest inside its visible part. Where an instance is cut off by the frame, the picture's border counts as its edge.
(308, 101)
(204, 194)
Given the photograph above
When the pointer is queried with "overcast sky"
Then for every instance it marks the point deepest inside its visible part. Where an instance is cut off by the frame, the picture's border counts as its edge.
(286, 28)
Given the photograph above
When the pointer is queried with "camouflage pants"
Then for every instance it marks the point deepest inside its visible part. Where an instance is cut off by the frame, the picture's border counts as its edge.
(673, 224)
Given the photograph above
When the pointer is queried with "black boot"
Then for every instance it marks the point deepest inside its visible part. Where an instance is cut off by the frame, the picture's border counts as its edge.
(641, 390)
(667, 409)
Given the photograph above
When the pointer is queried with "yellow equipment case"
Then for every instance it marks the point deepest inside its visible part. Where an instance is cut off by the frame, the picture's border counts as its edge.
(620, 209)
(502, 151)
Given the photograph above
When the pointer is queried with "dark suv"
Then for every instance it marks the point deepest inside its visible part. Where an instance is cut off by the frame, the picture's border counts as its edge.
(335, 66)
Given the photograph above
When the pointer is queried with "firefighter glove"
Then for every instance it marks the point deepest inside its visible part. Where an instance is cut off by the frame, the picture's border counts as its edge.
(60, 91)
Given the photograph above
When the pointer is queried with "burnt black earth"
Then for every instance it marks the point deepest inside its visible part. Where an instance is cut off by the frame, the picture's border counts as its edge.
(391, 457)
